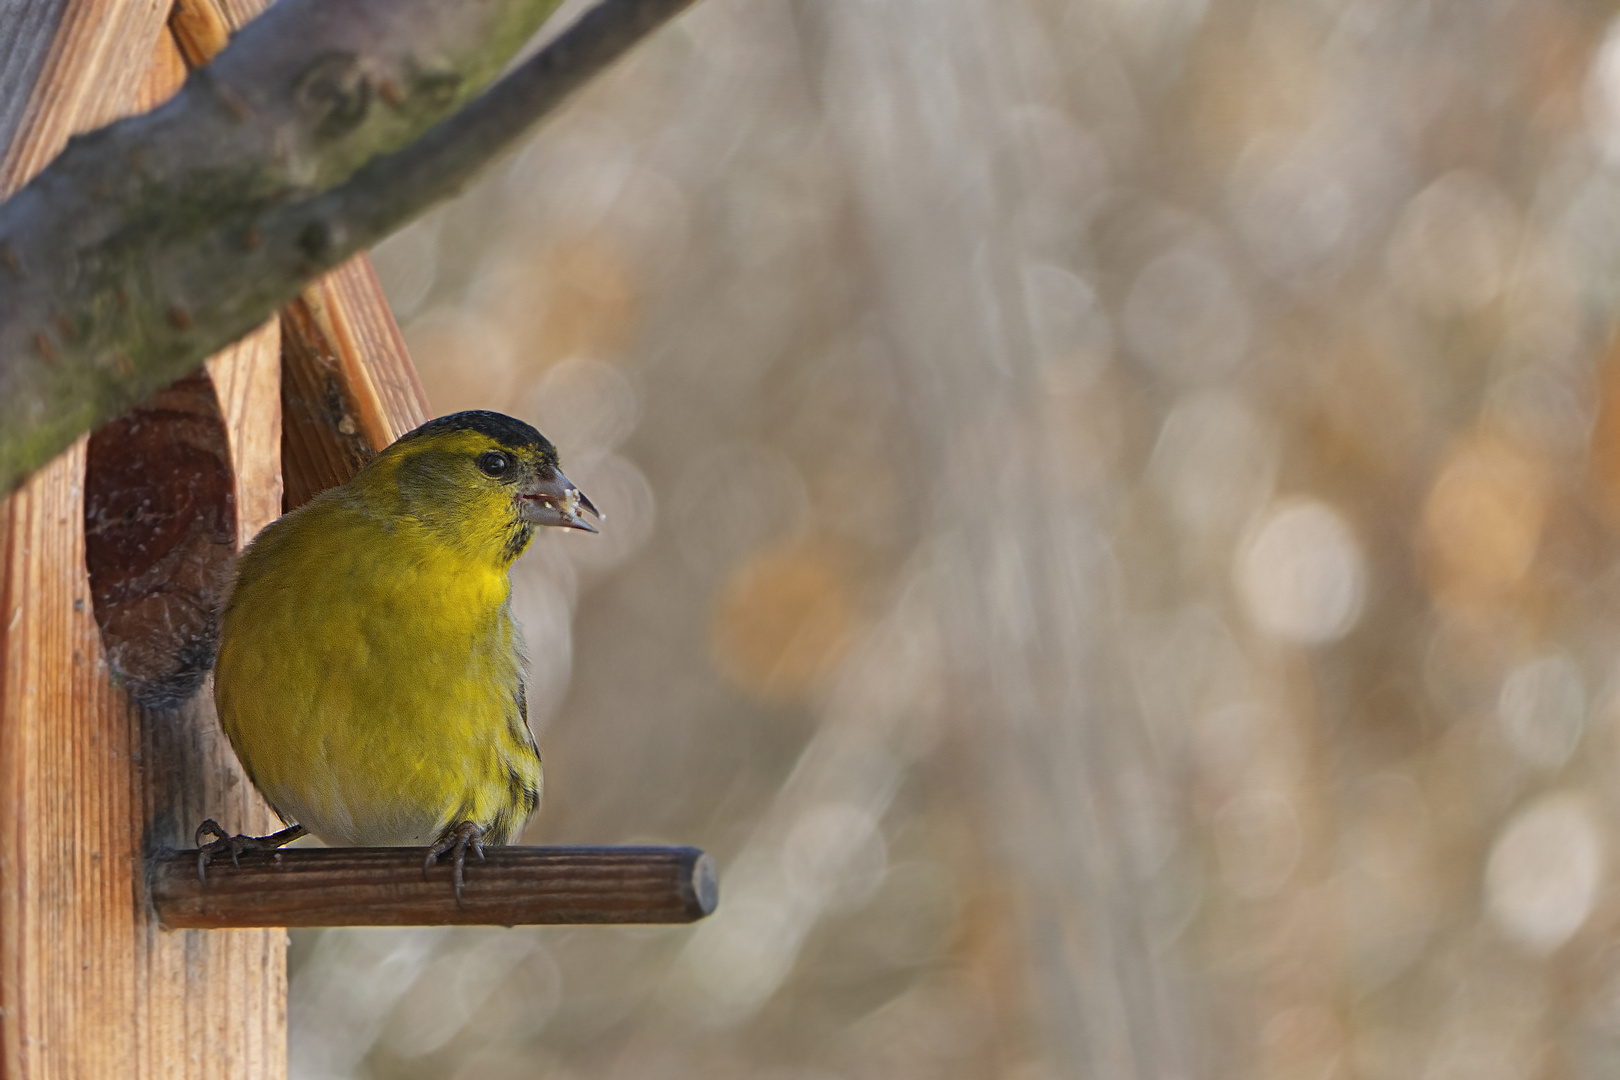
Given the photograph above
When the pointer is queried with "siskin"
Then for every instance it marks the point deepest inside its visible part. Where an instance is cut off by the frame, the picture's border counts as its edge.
(370, 675)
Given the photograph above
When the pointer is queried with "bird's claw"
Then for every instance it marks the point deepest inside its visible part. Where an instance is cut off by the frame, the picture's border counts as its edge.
(223, 842)
(456, 841)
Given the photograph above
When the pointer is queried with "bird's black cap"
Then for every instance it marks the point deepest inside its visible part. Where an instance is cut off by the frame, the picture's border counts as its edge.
(502, 428)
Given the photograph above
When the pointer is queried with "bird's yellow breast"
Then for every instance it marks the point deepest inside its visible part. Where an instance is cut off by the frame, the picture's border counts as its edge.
(370, 679)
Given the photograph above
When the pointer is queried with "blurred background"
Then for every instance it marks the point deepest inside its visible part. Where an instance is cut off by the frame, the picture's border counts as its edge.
(1113, 543)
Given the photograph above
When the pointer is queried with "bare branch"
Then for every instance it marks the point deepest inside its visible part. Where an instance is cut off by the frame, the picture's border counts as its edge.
(155, 241)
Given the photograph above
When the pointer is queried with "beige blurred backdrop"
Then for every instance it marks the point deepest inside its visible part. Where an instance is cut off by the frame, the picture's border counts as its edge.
(1112, 517)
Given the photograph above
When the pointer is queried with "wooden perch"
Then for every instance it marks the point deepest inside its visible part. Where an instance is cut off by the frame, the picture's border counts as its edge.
(386, 887)
(153, 242)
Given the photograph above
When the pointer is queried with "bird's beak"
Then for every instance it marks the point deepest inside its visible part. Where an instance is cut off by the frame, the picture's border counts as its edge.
(549, 499)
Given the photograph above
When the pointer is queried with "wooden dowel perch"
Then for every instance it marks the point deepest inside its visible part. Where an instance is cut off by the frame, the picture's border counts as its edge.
(385, 887)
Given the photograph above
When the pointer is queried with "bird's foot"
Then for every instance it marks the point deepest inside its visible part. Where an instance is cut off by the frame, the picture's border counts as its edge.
(457, 840)
(223, 843)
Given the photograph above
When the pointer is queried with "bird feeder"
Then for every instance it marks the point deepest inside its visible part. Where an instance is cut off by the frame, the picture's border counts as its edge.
(115, 959)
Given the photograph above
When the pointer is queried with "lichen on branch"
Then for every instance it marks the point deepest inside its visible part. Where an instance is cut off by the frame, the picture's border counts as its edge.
(325, 125)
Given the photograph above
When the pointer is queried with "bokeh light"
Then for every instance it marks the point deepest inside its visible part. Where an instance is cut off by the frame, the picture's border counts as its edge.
(1112, 516)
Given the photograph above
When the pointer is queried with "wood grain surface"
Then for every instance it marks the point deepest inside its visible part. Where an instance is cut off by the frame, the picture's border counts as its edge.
(80, 74)
(70, 843)
(386, 887)
(322, 444)
(349, 306)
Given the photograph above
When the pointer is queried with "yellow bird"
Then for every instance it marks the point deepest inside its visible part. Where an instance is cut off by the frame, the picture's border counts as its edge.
(370, 674)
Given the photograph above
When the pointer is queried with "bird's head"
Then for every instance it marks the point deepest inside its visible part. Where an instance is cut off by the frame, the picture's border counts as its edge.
(481, 480)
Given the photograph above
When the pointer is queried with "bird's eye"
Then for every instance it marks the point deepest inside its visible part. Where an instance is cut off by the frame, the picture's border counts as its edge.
(494, 463)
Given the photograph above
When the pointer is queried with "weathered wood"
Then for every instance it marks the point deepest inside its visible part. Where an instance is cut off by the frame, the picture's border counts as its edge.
(69, 846)
(247, 381)
(386, 887)
(348, 387)
(350, 308)
(224, 991)
(201, 28)
(322, 445)
(79, 76)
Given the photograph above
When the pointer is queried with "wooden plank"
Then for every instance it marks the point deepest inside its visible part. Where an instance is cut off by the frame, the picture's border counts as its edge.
(215, 1002)
(69, 846)
(201, 28)
(322, 445)
(247, 378)
(88, 75)
(348, 387)
(164, 73)
(26, 32)
(511, 886)
(69, 854)
(349, 306)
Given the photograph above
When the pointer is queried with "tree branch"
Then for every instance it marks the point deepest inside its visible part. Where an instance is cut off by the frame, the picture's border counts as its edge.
(325, 125)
